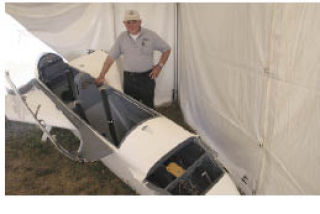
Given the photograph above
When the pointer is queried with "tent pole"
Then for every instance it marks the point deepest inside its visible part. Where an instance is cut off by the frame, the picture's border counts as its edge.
(176, 69)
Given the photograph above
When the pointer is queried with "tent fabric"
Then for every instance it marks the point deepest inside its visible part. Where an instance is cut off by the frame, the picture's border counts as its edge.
(249, 82)
(71, 29)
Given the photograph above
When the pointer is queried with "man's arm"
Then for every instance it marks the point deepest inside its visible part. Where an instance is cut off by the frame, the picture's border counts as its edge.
(107, 64)
(163, 59)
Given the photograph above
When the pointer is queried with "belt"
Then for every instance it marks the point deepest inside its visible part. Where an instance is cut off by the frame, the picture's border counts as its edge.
(137, 74)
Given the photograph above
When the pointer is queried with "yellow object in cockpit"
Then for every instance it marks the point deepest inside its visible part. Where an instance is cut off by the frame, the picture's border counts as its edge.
(175, 169)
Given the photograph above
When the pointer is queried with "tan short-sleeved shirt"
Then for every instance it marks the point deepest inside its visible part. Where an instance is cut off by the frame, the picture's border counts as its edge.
(138, 54)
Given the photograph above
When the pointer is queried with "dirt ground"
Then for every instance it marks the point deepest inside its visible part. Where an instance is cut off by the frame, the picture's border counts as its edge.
(33, 167)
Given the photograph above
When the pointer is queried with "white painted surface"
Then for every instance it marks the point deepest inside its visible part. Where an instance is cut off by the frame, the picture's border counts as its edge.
(149, 142)
(93, 63)
(15, 110)
(146, 145)
(123, 170)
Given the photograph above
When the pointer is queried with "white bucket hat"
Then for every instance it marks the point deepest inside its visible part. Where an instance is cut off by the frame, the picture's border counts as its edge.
(131, 15)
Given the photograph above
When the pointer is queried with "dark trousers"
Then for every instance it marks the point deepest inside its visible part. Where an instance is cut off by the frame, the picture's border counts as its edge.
(139, 86)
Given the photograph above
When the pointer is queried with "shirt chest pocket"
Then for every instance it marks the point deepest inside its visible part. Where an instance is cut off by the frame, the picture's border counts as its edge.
(146, 47)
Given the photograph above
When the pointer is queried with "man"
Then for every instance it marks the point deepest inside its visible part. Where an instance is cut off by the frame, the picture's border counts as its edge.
(137, 45)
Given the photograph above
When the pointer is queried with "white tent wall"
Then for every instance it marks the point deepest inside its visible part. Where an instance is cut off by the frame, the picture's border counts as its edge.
(68, 28)
(71, 29)
(249, 84)
(293, 124)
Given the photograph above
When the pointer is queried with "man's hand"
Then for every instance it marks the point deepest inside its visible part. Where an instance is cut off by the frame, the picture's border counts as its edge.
(156, 69)
(155, 72)
(99, 81)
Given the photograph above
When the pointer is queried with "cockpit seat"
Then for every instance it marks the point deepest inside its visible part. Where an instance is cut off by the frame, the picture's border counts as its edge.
(90, 100)
(57, 76)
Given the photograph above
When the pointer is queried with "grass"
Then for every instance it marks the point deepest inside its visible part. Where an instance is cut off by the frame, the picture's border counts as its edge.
(37, 168)
(33, 167)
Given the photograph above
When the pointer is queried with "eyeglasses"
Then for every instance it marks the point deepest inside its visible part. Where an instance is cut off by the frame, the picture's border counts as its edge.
(131, 22)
